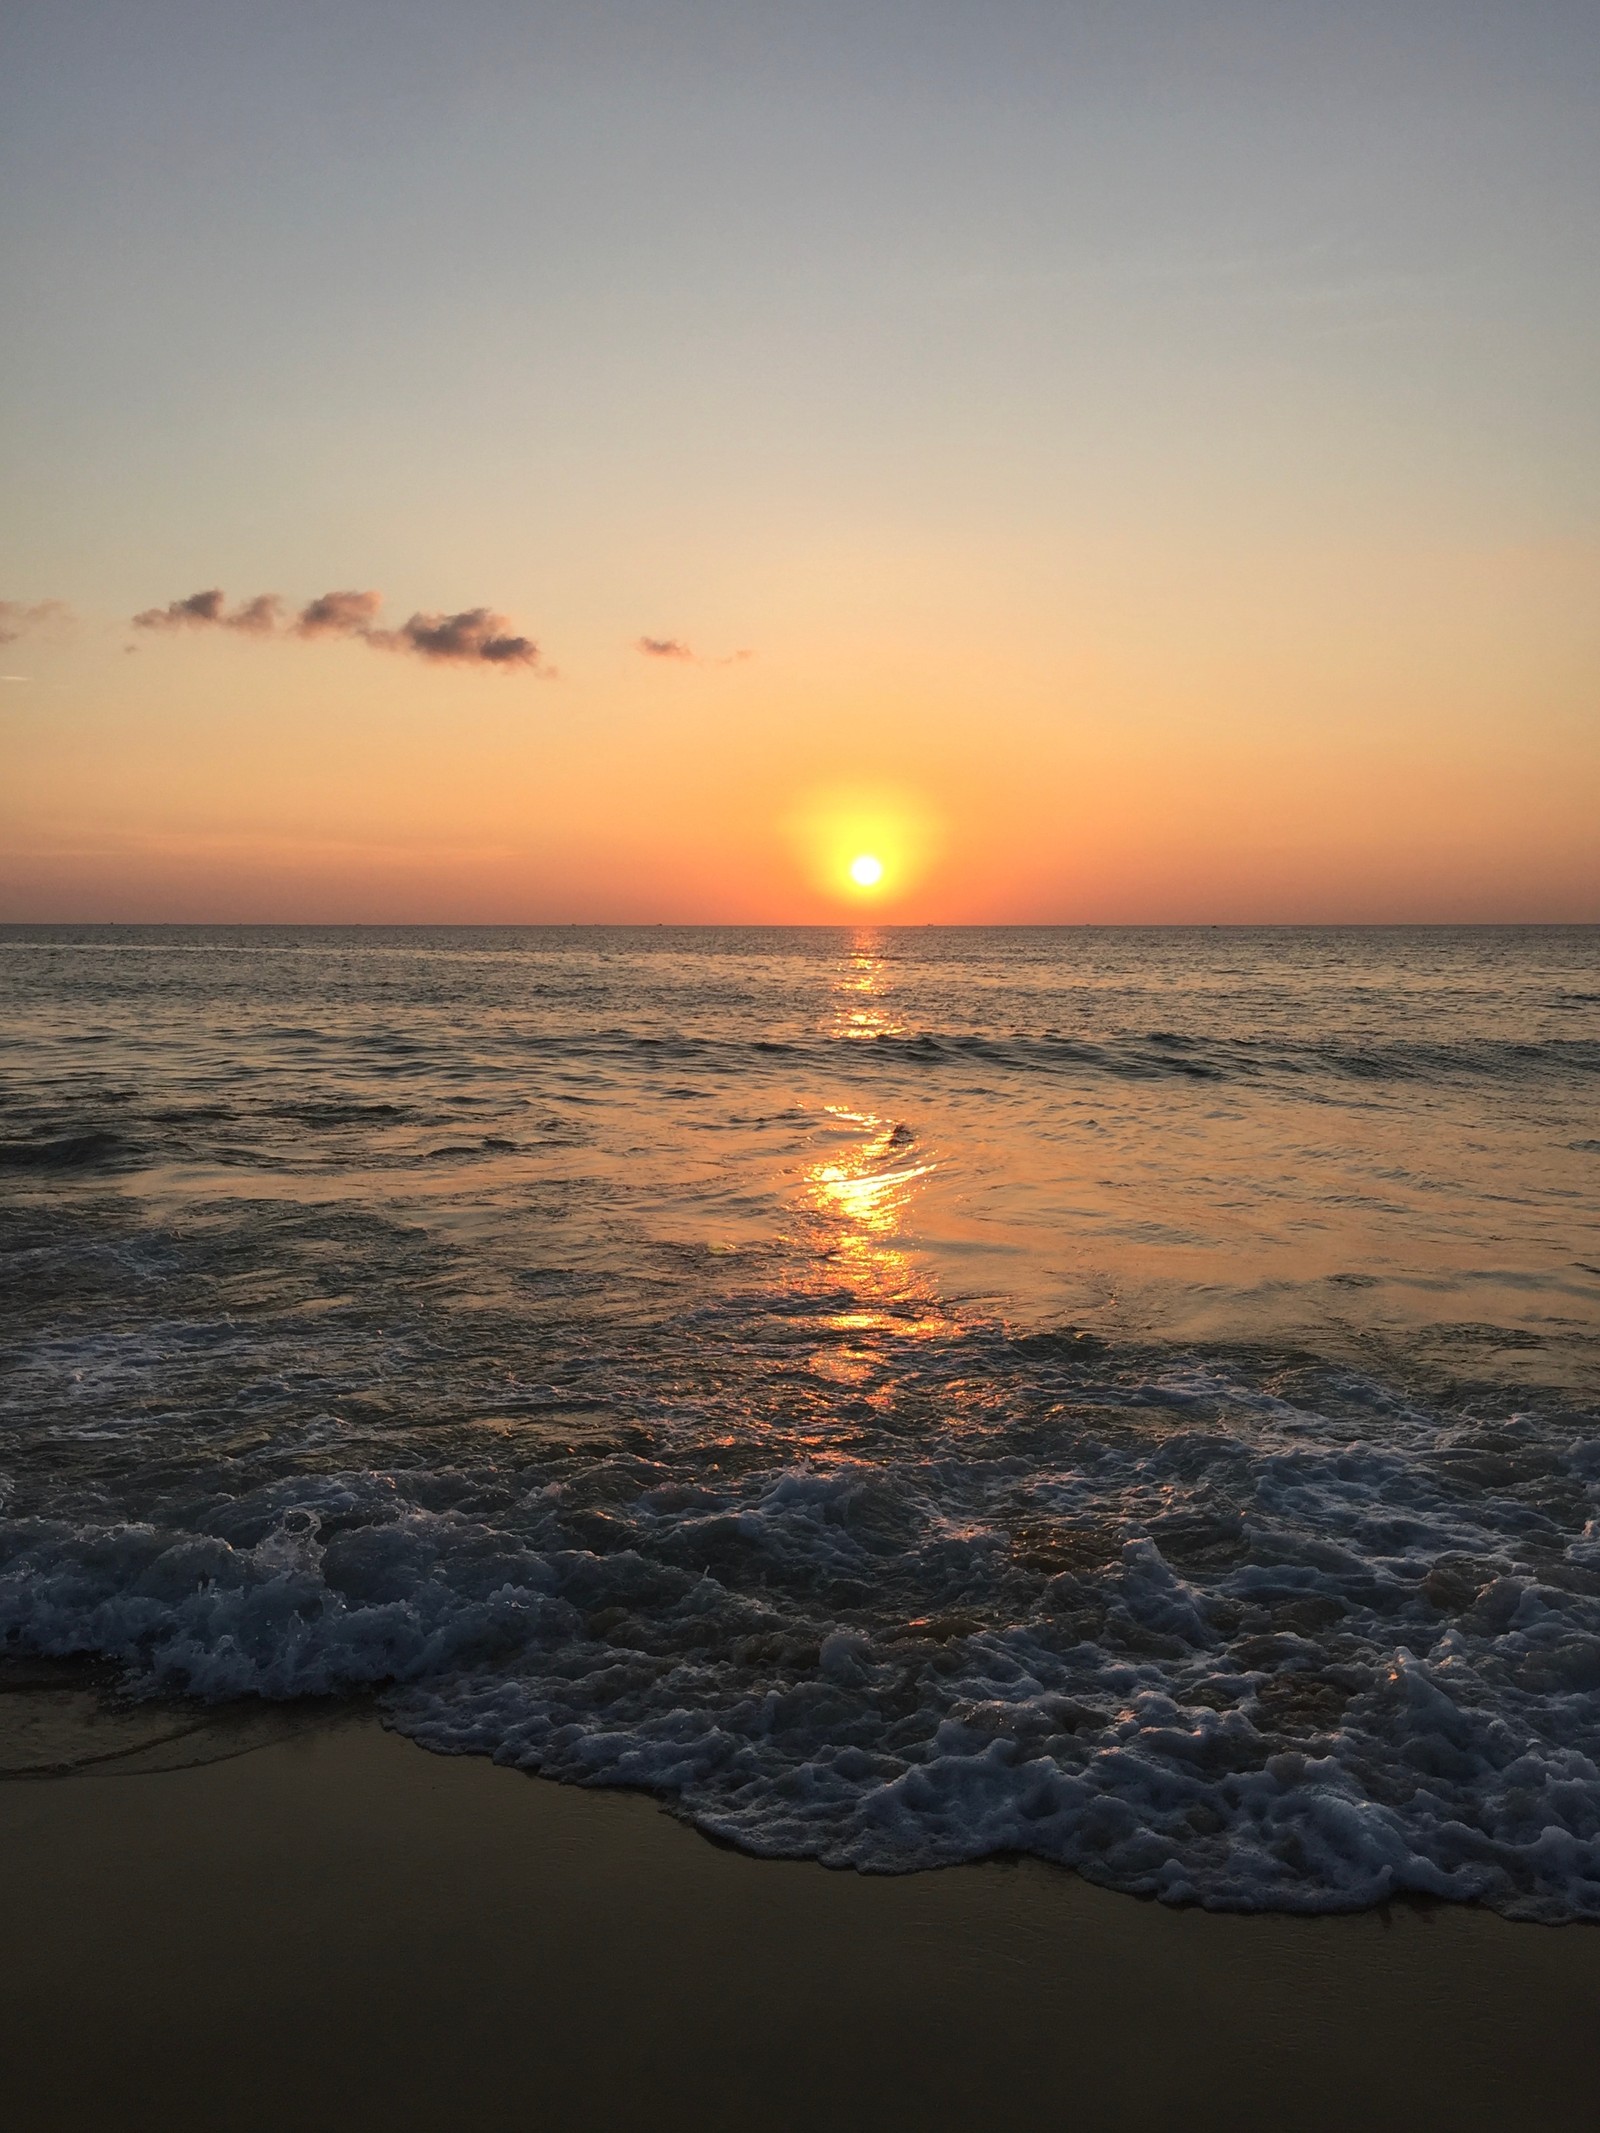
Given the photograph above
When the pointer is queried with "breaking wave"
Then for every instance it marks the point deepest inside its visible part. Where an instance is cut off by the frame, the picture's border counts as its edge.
(1246, 1638)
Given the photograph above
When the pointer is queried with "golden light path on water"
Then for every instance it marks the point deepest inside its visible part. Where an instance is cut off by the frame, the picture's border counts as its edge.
(863, 1196)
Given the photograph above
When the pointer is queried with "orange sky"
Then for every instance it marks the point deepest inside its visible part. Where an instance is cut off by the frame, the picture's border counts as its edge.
(1151, 479)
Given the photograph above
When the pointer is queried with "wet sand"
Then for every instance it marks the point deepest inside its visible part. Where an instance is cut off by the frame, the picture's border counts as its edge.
(336, 1929)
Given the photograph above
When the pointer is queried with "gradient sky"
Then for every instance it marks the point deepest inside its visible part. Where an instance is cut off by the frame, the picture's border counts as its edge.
(1150, 455)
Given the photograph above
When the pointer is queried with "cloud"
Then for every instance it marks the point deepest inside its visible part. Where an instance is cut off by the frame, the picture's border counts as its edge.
(258, 617)
(199, 609)
(338, 614)
(18, 616)
(477, 633)
(675, 648)
(477, 636)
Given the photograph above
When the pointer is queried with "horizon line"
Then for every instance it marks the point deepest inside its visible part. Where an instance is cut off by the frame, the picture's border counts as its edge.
(843, 924)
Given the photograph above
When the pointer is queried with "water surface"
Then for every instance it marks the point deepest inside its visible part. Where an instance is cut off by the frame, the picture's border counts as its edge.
(1129, 1397)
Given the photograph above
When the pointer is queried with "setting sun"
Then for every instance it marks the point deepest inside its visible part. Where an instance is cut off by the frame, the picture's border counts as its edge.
(864, 845)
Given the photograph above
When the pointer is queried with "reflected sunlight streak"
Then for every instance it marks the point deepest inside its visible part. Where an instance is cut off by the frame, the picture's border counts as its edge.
(860, 1200)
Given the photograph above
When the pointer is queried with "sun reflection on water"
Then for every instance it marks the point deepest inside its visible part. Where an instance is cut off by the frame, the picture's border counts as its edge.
(861, 987)
(868, 1190)
(872, 1295)
(861, 1198)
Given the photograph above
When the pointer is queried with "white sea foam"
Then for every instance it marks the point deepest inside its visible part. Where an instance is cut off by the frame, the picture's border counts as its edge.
(1296, 1723)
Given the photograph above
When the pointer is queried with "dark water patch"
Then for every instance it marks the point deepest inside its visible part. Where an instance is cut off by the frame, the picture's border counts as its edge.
(332, 1113)
(98, 1149)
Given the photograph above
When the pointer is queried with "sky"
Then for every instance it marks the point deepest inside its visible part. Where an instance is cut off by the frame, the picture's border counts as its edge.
(1109, 462)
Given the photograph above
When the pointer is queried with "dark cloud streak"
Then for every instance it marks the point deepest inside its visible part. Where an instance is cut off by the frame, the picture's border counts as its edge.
(197, 612)
(476, 636)
(477, 633)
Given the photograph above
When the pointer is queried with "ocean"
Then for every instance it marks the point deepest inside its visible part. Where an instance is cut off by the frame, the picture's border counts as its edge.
(899, 1396)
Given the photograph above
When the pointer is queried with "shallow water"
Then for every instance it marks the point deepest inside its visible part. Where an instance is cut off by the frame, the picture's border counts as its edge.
(1123, 1396)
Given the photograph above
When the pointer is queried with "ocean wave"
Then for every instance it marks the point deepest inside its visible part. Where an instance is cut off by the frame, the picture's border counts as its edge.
(1191, 1633)
(1154, 1055)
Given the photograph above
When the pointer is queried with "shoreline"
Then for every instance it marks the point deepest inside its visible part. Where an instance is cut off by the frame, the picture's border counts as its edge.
(335, 1928)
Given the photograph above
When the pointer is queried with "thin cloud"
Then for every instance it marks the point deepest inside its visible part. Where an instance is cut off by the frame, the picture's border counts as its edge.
(19, 616)
(205, 610)
(476, 636)
(259, 616)
(675, 648)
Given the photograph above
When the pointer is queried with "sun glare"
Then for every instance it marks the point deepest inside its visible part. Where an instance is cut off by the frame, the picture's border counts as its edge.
(862, 850)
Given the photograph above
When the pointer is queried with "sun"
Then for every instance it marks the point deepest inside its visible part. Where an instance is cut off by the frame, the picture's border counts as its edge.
(864, 852)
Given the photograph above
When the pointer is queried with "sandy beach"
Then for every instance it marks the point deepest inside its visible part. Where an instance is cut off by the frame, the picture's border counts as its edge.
(333, 1928)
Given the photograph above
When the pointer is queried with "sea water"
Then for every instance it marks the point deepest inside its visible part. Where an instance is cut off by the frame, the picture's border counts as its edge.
(899, 1396)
